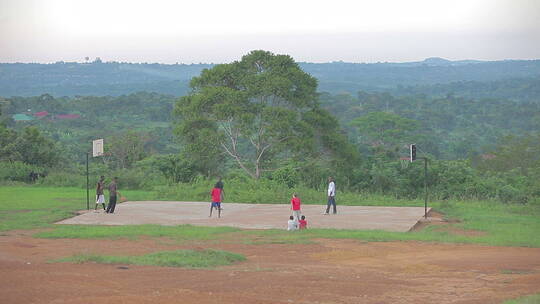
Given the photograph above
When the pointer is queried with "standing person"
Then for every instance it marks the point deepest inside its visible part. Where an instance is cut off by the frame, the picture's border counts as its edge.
(331, 195)
(100, 197)
(113, 193)
(219, 185)
(295, 207)
(216, 200)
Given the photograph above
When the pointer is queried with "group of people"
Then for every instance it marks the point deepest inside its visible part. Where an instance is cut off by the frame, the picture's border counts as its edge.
(296, 220)
(113, 194)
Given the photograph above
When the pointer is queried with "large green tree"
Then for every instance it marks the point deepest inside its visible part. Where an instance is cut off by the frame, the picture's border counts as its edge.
(254, 111)
(29, 146)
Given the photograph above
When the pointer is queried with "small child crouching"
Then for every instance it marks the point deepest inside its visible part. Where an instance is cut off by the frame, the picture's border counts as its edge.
(302, 224)
(292, 224)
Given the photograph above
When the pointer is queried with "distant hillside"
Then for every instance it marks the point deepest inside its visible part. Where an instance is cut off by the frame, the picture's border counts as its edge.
(340, 77)
(99, 79)
(515, 89)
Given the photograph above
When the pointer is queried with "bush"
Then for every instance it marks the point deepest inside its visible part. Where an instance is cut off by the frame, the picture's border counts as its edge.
(287, 175)
(64, 179)
(18, 171)
(138, 179)
(172, 167)
(509, 194)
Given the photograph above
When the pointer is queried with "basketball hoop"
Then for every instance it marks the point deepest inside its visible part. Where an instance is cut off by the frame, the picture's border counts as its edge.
(405, 161)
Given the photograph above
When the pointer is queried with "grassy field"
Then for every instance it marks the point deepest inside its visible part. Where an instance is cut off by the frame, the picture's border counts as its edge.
(178, 258)
(36, 207)
(494, 223)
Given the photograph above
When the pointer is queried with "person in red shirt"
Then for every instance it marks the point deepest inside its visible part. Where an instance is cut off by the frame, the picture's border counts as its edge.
(216, 200)
(295, 207)
(302, 224)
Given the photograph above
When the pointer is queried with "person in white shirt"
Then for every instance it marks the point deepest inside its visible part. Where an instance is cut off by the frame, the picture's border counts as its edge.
(331, 195)
(292, 224)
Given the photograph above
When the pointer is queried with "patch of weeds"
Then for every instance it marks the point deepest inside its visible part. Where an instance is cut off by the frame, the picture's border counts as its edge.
(532, 299)
(516, 271)
(178, 258)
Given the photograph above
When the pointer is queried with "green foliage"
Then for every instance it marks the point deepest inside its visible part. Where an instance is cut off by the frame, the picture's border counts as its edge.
(18, 171)
(124, 149)
(180, 233)
(514, 153)
(511, 79)
(174, 168)
(450, 127)
(532, 299)
(242, 189)
(500, 224)
(25, 207)
(135, 178)
(272, 91)
(179, 258)
(287, 175)
(383, 128)
(145, 116)
(254, 111)
(28, 146)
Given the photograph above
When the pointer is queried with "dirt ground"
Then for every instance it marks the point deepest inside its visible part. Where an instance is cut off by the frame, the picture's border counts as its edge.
(328, 271)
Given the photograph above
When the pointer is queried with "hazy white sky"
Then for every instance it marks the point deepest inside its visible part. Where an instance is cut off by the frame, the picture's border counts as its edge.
(221, 31)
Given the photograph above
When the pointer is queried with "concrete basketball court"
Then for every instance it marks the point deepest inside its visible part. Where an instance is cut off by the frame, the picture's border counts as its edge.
(252, 216)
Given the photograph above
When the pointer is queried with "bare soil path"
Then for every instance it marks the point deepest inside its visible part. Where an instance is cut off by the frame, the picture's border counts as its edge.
(329, 271)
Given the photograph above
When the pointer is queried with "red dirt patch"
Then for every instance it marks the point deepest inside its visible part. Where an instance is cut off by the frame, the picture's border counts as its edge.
(330, 271)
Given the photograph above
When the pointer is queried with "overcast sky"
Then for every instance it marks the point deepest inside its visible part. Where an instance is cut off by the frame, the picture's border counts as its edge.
(222, 31)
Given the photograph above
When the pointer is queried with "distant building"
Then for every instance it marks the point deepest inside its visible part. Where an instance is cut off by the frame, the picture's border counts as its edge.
(488, 156)
(41, 114)
(68, 116)
(22, 117)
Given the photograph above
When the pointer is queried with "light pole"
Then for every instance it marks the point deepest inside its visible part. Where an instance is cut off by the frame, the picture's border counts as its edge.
(412, 155)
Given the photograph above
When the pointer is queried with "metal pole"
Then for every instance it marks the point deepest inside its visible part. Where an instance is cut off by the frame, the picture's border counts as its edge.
(87, 185)
(425, 187)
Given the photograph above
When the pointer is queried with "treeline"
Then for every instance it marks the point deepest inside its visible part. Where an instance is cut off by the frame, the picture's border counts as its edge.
(449, 127)
(514, 89)
(279, 130)
(118, 78)
(145, 116)
(95, 78)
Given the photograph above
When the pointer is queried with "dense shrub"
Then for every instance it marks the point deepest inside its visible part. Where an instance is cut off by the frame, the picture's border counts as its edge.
(18, 171)
(287, 175)
(64, 179)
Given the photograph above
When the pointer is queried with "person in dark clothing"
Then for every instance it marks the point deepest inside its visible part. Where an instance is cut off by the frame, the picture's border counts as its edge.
(113, 193)
(219, 185)
(100, 197)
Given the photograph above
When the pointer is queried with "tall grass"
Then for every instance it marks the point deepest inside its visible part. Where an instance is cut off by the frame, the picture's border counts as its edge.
(270, 192)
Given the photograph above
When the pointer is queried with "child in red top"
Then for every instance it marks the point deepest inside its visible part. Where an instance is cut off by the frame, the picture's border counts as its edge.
(216, 200)
(295, 206)
(302, 224)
